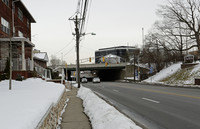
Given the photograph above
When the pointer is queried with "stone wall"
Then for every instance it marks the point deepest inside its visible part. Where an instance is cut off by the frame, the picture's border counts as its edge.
(50, 119)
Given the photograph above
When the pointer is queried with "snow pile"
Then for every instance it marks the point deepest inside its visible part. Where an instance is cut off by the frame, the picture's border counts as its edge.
(164, 73)
(27, 102)
(174, 75)
(101, 114)
(184, 76)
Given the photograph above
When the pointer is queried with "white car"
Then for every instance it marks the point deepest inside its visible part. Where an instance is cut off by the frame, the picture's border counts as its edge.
(96, 80)
(84, 80)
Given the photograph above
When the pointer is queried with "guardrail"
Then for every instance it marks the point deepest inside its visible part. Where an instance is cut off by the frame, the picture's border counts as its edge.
(51, 117)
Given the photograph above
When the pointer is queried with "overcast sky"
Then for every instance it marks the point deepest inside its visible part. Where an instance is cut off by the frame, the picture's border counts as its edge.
(115, 22)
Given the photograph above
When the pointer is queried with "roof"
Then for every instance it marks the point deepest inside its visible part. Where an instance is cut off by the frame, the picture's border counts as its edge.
(112, 56)
(25, 11)
(41, 56)
(18, 39)
(118, 47)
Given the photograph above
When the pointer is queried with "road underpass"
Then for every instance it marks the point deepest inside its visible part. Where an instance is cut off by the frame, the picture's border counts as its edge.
(111, 72)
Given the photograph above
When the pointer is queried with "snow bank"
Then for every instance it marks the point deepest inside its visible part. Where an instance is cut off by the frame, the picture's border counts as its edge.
(164, 73)
(101, 114)
(27, 102)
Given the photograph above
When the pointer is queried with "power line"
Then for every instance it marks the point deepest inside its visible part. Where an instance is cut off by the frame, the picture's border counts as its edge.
(69, 51)
(89, 8)
(65, 46)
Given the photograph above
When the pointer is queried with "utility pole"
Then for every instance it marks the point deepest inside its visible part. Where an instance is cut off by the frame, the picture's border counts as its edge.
(10, 49)
(77, 51)
(10, 54)
(79, 27)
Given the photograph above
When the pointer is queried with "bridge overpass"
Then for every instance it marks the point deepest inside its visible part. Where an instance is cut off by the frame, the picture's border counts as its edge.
(84, 67)
(110, 72)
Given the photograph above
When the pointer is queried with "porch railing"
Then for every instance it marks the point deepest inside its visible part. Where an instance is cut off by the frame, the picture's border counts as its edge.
(17, 64)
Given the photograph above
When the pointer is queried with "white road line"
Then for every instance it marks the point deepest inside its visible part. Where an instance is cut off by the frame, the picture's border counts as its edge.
(151, 100)
(115, 90)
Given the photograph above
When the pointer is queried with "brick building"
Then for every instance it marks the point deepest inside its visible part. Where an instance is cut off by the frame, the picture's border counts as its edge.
(15, 35)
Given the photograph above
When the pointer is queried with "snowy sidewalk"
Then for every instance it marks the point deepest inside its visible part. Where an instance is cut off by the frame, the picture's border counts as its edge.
(74, 117)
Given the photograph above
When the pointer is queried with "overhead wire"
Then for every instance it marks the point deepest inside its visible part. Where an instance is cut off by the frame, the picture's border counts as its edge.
(65, 46)
(84, 14)
(89, 9)
(78, 6)
(69, 51)
(87, 19)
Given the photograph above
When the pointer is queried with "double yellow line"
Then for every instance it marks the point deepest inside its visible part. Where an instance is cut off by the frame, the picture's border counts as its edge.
(167, 93)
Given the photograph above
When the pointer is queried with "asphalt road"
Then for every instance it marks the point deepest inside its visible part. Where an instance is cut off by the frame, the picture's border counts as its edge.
(155, 107)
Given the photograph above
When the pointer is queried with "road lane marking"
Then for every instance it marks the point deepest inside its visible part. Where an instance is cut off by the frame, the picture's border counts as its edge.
(168, 93)
(115, 90)
(151, 100)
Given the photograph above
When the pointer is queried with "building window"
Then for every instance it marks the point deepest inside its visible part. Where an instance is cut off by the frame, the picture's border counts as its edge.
(5, 26)
(28, 23)
(6, 2)
(20, 14)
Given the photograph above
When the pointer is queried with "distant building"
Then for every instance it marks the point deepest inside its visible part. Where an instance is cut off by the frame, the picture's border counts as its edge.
(111, 59)
(15, 29)
(41, 58)
(40, 62)
(124, 52)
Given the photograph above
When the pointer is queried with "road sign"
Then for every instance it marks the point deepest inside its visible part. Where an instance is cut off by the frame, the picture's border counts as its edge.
(151, 70)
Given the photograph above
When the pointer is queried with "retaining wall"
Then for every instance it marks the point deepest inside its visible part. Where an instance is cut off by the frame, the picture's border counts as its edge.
(50, 119)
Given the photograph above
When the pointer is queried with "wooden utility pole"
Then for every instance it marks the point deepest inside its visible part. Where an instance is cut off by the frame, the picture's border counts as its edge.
(79, 28)
(77, 51)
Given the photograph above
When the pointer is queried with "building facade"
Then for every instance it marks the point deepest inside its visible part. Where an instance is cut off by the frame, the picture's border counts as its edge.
(124, 52)
(40, 62)
(15, 37)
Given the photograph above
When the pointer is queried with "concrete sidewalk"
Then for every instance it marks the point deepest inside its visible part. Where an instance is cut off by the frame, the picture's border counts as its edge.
(74, 117)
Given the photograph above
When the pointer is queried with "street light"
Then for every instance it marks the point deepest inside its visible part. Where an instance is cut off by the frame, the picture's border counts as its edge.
(88, 34)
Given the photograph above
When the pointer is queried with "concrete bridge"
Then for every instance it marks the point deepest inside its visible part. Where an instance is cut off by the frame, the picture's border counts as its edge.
(108, 72)
(84, 67)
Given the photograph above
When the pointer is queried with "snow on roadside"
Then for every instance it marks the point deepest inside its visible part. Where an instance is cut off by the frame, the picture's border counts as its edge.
(164, 73)
(101, 114)
(27, 102)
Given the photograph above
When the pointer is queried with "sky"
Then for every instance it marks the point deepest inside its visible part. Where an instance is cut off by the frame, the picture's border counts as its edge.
(115, 23)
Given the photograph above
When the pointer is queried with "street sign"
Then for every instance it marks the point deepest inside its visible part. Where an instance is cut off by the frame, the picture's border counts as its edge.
(151, 70)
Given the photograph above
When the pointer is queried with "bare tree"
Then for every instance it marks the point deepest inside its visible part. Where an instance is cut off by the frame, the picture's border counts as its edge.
(55, 61)
(187, 13)
(172, 37)
(152, 52)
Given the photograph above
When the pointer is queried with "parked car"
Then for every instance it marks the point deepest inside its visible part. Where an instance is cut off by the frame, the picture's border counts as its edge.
(96, 80)
(84, 80)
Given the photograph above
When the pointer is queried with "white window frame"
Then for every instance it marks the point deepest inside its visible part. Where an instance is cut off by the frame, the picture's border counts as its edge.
(20, 34)
(5, 26)
(6, 2)
(28, 23)
(20, 14)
